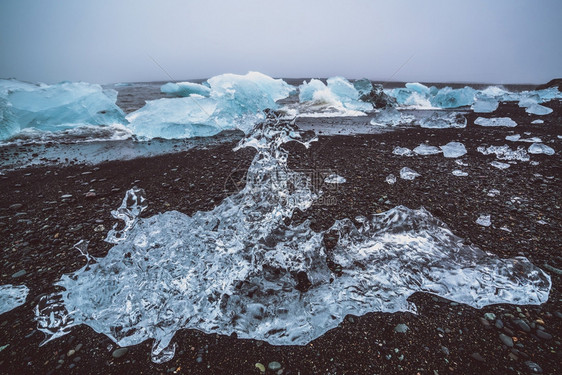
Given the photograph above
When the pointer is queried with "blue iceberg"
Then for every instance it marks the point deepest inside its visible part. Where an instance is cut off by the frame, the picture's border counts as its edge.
(185, 89)
(234, 102)
(62, 106)
(339, 96)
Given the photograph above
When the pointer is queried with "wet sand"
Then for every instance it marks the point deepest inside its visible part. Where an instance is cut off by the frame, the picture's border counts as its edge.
(39, 228)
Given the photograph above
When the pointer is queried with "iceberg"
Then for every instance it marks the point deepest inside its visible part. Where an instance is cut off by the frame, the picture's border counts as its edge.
(234, 102)
(537, 109)
(495, 121)
(453, 98)
(540, 148)
(338, 95)
(245, 268)
(374, 94)
(62, 106)
(185, 89)
(453, 150)
(12, 296)
(442, 120)
(424, 149)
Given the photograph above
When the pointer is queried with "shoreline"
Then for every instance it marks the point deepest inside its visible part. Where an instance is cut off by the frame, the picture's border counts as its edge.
(38, 237)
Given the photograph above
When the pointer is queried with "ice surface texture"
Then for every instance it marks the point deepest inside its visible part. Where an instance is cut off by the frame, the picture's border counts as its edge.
(245, 268)
(12, 296)
(234, 102)
(442, 120)
(57, 107)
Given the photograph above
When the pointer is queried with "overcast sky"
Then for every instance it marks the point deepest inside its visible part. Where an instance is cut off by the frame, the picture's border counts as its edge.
(499, 41)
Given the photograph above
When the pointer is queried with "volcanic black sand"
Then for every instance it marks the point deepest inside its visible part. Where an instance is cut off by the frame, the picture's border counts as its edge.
(39, 228)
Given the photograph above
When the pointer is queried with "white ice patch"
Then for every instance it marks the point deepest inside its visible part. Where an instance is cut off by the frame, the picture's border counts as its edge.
(408, 174)
(402, 151)
(496, 121)
(505, 153)
(513, 138)
(453, 150)
(424, 149)
(459, 173)
(12, 296)
(484, 220)
(335, 179)
(540, 148)
(537, 122)
(499, 165)
(390, 179)
(493, 193)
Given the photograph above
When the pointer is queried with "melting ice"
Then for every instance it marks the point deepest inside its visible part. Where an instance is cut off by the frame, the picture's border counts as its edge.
(12, 296)
(245, 267)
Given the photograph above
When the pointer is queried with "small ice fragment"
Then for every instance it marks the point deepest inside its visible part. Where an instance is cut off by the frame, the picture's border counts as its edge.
(499, 164)
(505, 153)
(537, 109)
(542, 222)
(389, 117)
(335, 179)
(540, 148)
(442, 120)
(459, 173)
(402, 151)
(531, 140)
(453, 150)
(424, 149)
(484, 220)
(12, 296)
(512, 138)
(461, 163)
(390, 179)
(495, 121)
(537, 122)
(534, 163)
(506, 229)
(408, 174)
(493, 193)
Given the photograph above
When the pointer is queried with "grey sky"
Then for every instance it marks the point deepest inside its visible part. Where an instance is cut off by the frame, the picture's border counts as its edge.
(501, 41)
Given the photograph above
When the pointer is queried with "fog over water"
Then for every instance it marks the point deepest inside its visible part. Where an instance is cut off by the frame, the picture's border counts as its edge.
(501, 41)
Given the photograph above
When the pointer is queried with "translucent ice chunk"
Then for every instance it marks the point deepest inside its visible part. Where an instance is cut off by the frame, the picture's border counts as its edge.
(499, 165)
(390, 179)
(453, 150)
(512, 138)
(453, 98)
(235, 102)
(484, 220)
(493, 193)
(57, 107)
(442, 120)
(424, 149)
(338, 94)
(335, 179)
(408, 174)
(8, 121)
(246, 268)
(12, 296)
(390, 117)
(540, 148)
(537, 122)
(418, 87)
(402, 151)
(495, 121)
(505, 153)
(537, 109)
(459, 173)
(185, 89)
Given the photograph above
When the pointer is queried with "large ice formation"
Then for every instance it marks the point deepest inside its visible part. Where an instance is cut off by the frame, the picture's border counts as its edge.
(185, 89)
(246, 268)
(56, 107)
(234, 102)
(12, 296)
(338, 96)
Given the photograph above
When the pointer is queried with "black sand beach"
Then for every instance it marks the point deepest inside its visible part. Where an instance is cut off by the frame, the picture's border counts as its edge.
(39, 228)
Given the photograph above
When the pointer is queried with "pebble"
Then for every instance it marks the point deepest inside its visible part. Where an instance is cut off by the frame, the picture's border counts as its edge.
(401, 328)
(543, 335)
(260, 367)
(445, 350)
(71, 352)
(66, 196)
(506, 340)
(16, 206)
(477, 357)
(118, 353)
(274, 366)
(485, 323)
(535, 368)
(522, 325)
(20, 273)
(499, 324)
(490, 316)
